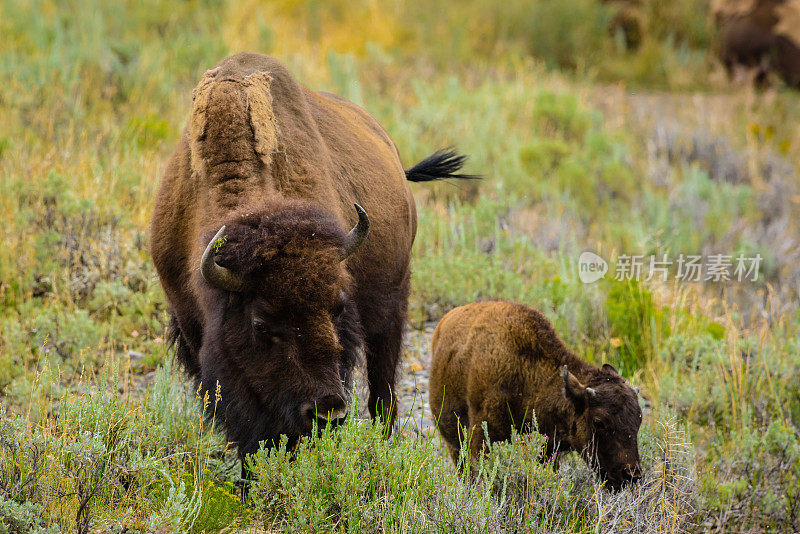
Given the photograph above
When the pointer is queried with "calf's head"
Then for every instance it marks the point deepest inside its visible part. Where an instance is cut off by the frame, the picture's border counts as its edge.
(606, 425)
(281, 332)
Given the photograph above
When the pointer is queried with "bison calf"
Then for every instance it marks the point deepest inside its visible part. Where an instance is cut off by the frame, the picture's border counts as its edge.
(503, 364)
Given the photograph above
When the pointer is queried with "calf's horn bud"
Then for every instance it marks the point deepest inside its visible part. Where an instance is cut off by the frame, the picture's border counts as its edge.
(357, 235)
(217, 275)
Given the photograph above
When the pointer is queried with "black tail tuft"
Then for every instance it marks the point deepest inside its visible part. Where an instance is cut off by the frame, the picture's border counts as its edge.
(441, 165)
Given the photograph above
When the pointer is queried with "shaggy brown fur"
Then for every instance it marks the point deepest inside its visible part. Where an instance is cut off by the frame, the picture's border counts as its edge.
(281, 167)
(760, 36)
(503, 364)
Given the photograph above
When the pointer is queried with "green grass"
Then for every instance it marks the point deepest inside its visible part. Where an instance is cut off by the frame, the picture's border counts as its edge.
(93, 97)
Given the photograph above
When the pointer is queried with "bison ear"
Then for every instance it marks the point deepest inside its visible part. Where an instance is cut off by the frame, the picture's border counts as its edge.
(610, 368)
(574, 390)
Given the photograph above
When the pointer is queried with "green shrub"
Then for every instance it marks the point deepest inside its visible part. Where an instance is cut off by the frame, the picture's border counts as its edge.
(345, 479)
(5, 144)
(572, 36)
(155, 457)
(637, 321)
(208, 504)
(22, 518)
(563, 115)
(149, 131)
(753, 478)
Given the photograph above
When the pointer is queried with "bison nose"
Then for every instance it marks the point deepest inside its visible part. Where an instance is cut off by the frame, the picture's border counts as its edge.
(634, 472)
(331, 409)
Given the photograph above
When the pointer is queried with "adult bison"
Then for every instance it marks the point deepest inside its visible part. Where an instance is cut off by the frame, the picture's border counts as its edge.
(502, 364)
(273, 295)
(760, 36)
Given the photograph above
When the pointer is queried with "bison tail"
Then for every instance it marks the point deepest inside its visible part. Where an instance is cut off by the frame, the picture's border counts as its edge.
(441, 165)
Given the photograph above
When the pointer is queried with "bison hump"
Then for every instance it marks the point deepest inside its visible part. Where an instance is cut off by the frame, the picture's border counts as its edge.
(232, 122)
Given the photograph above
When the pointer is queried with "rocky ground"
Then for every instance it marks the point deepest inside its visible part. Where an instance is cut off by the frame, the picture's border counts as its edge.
(414, 414)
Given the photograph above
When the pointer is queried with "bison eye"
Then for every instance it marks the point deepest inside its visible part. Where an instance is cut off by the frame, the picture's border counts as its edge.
(598, 424)
(260, 326)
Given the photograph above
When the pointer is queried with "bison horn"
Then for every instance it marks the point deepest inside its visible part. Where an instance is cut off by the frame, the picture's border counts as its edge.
(217, 275)
(357, 235)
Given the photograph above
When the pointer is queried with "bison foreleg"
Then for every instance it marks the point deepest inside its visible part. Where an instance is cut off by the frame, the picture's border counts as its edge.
(491, 420)
(383, 316)
(383, 355)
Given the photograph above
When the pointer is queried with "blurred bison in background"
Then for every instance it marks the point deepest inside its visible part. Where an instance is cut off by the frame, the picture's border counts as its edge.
(759, 37)
(273, 295)
(628, 20)
(503, 364)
